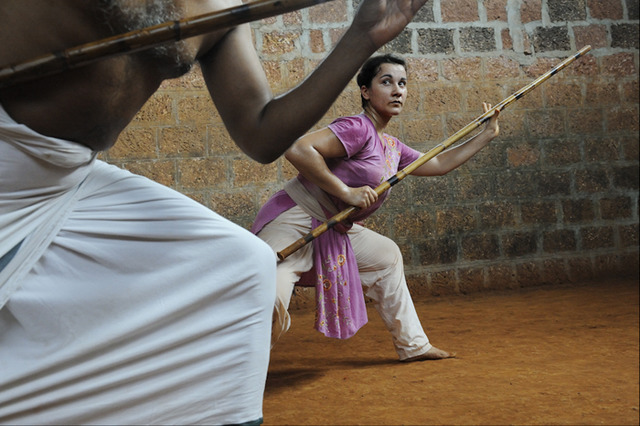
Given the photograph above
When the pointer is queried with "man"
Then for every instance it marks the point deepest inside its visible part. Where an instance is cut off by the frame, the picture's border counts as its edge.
(123, 301)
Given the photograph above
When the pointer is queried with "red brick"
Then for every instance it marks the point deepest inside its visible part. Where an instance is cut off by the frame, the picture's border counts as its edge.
(348, 103)
(597, 237)
(528, 274)
(199, 173)
(619, 64)
(523, 155)
(562, 94)
(496, 10)
(554, 271)
(502, 68)
(292, 19)
(533, 98)
(583, 121)
(495, 214)
(606, 265)
(501, 276)
(597, 149)
(421, 130)
(288, 171)
(279, 43)
(546, 123)
(247, 172)
(455, 122)
(134, 143)
(181, 141)
(421, 69)
(157, 110)
(630, 91)
(459, 10)
(198, 109)
(455, 219)
(330, 12)
(471, 280)
(442, 99)
(541, 66)
(462, 69)
(530, 10)
(316, 41)
(622, 118)
(273, 70)
(219, 142)
(628, 235)
(580, 269)
(413, 104)
(443, 283)
(491, 93)
(605, 9)
(418, 285)
(512, 124)
(526, 44)
(507, 41)
(585, 66)
(594, 35)
(601, 93)
(234, 204)
(378, 222)
(630, 147)
(408, 225)
(295, 71)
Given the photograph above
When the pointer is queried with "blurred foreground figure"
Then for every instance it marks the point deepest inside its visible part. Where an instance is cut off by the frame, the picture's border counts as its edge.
(121, 300)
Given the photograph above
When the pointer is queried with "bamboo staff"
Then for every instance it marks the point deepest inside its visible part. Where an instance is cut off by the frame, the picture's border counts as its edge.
(283, 254)
(147, 37)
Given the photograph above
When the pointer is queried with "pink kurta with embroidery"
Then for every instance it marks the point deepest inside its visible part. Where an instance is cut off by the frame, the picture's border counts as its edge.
(370, 160)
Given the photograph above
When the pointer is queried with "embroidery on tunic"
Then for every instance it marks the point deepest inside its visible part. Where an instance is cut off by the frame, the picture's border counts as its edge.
(392, 157)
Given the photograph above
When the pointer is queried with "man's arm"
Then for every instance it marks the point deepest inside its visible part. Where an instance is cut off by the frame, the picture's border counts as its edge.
(264, 126)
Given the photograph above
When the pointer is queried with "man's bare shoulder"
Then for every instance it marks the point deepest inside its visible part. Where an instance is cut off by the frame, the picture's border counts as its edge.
(36, 27)
(195, 8)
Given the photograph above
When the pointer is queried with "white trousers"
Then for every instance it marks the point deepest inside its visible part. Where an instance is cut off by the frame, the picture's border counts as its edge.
(146, 308)
(381, 272)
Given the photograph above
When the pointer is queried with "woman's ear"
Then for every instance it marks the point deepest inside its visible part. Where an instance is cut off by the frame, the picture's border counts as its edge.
(364, 91)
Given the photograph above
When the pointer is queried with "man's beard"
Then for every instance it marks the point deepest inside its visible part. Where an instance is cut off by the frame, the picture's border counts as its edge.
(126, 15)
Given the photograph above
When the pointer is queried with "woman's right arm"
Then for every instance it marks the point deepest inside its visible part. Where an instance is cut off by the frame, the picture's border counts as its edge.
(309, 154)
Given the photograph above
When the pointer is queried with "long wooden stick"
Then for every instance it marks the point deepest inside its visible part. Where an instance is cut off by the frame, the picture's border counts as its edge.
(147, 37)
(430, 154)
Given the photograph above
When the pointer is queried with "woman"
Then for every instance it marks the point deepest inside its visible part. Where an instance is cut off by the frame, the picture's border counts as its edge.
(340, 166)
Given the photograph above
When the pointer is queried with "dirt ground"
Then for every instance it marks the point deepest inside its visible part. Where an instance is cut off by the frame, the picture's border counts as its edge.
(548, 355)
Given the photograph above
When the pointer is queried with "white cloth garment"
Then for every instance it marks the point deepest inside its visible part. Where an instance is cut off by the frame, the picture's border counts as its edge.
(127, 302)
(381, 272)
(38, 181)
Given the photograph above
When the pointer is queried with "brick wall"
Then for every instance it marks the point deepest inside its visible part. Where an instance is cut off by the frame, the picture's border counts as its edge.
(553, 200)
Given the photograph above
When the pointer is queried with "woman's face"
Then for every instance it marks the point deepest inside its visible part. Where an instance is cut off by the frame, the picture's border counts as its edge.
(388, 91)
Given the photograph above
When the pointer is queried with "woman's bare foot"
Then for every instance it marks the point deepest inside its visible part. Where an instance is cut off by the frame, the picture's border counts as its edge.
(432, 354)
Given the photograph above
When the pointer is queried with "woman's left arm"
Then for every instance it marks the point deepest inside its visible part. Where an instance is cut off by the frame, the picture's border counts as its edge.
(451, 159)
